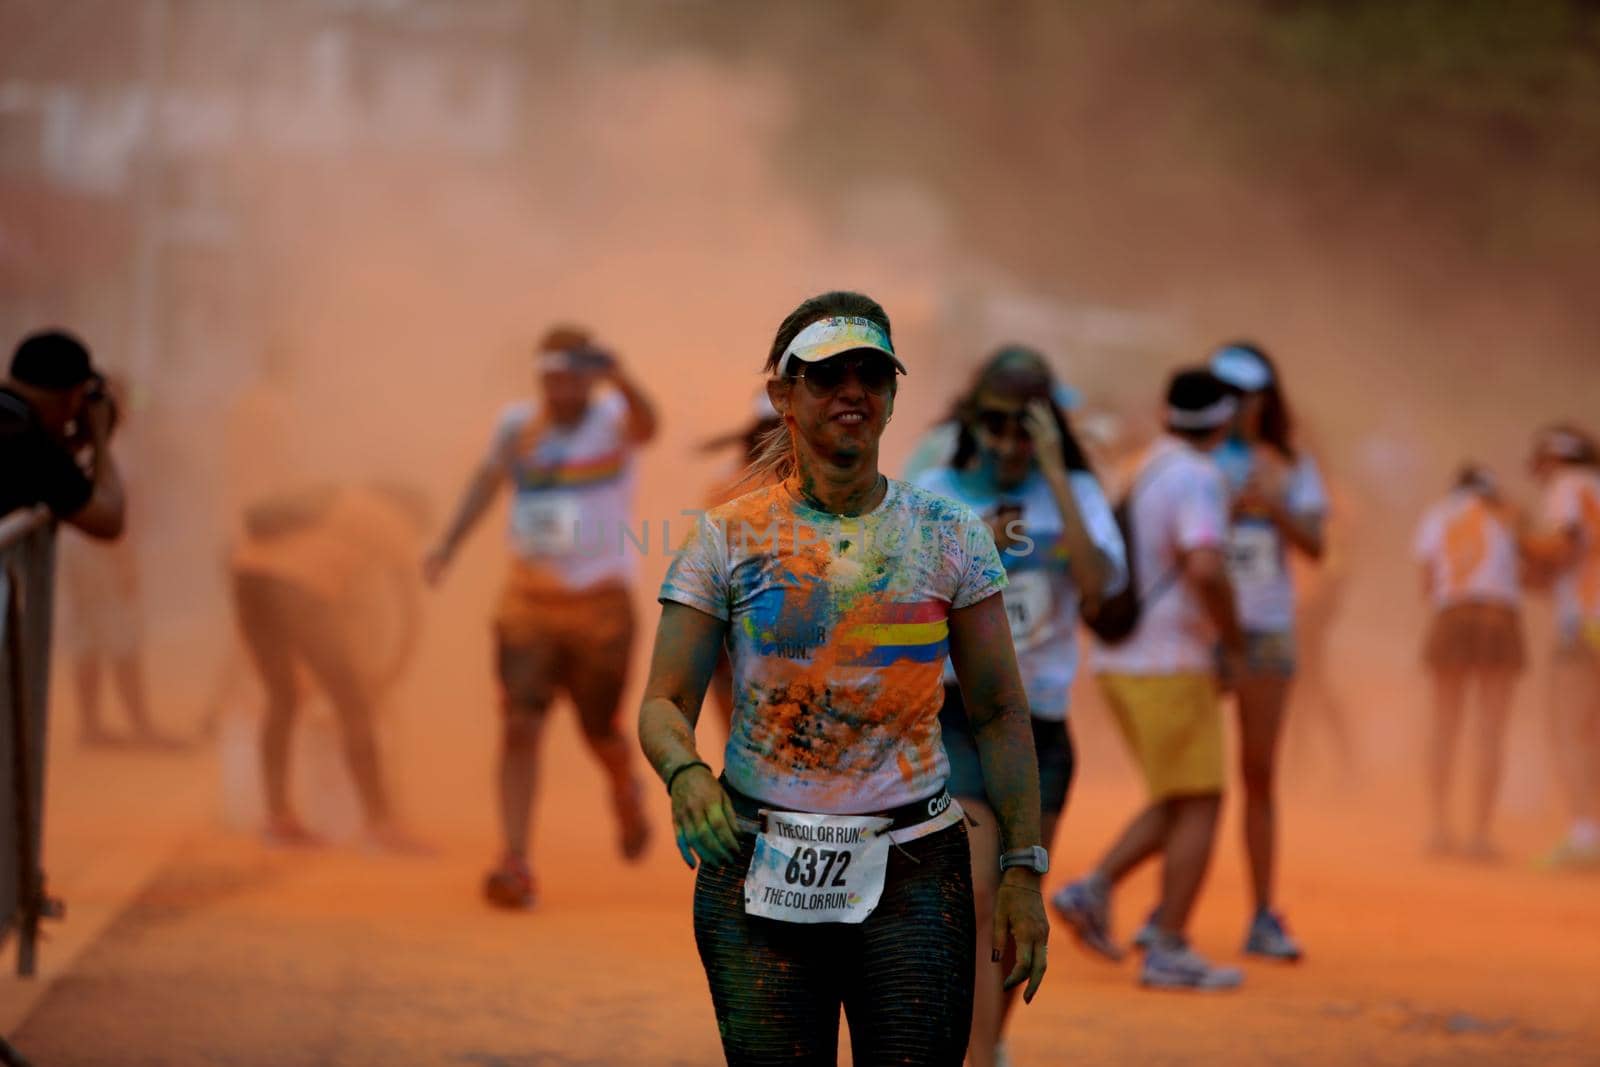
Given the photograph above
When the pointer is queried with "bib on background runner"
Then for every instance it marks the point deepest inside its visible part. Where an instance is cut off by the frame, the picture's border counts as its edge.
(1030, 608)
(1254, 554)
(546, 524)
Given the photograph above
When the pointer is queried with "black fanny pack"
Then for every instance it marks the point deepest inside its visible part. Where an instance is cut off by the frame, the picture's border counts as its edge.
(906, 815)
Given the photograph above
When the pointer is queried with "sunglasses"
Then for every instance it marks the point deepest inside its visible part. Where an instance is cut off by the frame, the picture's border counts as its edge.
(998, 422)
(874, 373)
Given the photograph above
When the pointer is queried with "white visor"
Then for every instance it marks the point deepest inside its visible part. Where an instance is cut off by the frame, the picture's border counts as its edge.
(835, 336)
(559, 361)
(1209, 417)
(1242, 369)
(1562, 444)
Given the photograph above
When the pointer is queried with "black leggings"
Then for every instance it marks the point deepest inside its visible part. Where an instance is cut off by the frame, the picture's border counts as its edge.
(904, 976)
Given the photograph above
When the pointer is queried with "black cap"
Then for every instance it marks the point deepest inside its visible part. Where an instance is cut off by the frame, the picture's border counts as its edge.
(51, 359)
(1198, 400)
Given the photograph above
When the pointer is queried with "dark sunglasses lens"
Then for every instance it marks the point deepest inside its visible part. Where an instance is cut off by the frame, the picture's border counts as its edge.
(825, 377)
(998, 422)
(875, 375)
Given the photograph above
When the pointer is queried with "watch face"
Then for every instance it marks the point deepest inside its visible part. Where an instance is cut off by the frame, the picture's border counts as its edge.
(1034, 858)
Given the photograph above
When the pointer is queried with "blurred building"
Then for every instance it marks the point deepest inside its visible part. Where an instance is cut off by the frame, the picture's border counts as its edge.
(131, 134)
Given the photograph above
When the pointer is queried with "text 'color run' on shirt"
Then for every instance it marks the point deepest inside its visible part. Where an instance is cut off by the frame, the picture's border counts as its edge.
(838, 636)
(572, 491)
(1041, 597)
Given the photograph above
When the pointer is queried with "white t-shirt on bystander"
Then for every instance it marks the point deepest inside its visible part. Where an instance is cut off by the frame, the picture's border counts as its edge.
(1179, 504)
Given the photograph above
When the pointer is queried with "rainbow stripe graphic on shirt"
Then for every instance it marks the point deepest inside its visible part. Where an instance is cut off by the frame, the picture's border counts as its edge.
(578, 474)
(893, 633)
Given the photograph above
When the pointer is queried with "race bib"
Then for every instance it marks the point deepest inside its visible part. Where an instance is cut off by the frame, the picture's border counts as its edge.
(1253, 554)
(545, 524)
(817, 868)
(1029, 608)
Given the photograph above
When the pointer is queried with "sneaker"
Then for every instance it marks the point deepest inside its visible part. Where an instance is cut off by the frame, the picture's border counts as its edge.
(1177, 966)
(1568, 856)
(1087, 910)
(510, 885)
(1269, 938)
(1147, 934)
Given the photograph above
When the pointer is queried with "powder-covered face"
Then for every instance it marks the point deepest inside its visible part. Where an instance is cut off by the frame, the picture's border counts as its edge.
(1002, 436)
(841, 411)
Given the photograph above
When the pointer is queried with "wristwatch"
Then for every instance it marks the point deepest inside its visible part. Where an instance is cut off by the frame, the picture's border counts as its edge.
(1034, 858)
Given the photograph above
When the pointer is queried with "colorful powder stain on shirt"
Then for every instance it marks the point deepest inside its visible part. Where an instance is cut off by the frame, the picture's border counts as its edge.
(839, 632)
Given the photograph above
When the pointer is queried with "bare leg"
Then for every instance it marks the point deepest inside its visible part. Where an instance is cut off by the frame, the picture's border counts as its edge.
(1449, 696)
(987, 1005)
(1143, 838)
(1495, 688)
(596, 682)
(1261, 704)
(86, 675)
(259, 609)
(128, 673)
(1192, 828)
(1573, 714)
(521, 739)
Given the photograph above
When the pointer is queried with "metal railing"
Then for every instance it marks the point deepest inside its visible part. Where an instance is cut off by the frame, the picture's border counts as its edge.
(27, 570)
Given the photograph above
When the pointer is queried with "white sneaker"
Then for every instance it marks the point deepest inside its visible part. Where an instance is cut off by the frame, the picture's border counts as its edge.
(1169, 966)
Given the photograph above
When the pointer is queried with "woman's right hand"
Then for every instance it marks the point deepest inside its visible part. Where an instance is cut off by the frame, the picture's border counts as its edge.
(703, 819)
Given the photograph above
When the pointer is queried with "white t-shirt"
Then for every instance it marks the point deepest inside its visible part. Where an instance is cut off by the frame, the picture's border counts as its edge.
(1179, 504)
(1257, 556)
(572, 491)
(1572, 502)
(839, 631)
(1041, 599)
(1470, 552)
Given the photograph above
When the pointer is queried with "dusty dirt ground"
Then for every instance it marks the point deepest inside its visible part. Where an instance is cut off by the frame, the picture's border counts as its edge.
(232, 953)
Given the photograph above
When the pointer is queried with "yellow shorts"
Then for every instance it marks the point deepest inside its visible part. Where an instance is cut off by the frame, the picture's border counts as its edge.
(1173, 726)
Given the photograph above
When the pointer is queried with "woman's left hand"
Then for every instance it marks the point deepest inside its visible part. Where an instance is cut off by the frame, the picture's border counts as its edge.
(1019, 917)
(1045, 435)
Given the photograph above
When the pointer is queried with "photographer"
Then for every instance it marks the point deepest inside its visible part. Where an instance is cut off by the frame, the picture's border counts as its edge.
(54, 406)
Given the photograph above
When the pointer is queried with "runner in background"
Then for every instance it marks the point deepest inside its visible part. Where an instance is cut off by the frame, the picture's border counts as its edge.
(1278, 504)
(937, 446)
(1566, 548)
(1018, 464)
(98, 625)
(1467, 547)
(1160, 684)
(302, 574)
(834, 866)
(733, 482)
(565, 622)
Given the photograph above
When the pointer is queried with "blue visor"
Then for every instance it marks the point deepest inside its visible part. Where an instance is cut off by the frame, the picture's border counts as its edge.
(1242, 369)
